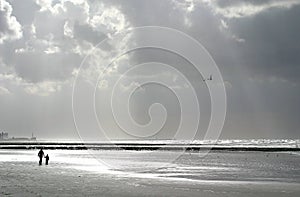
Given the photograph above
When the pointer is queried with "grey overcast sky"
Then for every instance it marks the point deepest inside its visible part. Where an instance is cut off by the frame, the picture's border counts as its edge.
(256, 45)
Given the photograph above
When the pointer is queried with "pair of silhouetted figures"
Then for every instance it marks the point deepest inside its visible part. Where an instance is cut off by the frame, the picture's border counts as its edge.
(41, 154)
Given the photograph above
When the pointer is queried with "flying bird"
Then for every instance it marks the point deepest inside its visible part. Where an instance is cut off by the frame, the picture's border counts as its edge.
(208, 79)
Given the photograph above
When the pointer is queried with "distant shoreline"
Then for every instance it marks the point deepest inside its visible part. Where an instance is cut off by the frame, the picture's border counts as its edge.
(142, 146)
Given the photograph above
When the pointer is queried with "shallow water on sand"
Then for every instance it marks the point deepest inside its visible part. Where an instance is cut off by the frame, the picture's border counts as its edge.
(135, 172)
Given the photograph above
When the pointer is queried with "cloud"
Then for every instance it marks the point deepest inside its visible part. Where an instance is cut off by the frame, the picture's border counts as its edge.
(44, 88)
(271, 43)
(4, 91)
(50, 51)
(246, 8)
(68, 29)
(43, 43)
(10, 28)
(110, 19)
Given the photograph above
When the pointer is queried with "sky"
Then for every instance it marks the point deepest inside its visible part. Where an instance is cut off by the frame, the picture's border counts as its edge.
(50, 61)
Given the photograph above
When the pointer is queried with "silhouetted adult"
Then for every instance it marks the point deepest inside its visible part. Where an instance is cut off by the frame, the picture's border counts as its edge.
(41, 155)
(47, 159)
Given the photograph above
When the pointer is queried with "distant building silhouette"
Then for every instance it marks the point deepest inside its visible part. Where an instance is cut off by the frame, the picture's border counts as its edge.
(32, 137)
(3, 136)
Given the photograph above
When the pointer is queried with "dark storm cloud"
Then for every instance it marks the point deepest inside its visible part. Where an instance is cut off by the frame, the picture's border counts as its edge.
(272, 42)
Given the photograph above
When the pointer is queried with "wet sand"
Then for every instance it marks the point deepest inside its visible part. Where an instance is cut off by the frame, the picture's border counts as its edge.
(77, 173)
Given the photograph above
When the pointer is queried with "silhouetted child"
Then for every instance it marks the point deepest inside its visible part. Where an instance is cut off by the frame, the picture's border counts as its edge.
(47, 159)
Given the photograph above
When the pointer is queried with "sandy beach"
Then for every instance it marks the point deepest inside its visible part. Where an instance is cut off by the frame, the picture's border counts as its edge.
(177, 98)
(78, 173)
